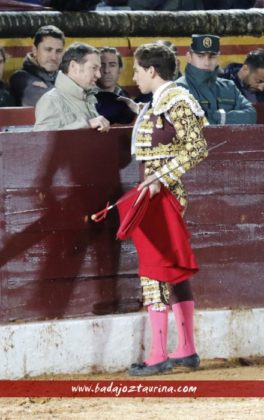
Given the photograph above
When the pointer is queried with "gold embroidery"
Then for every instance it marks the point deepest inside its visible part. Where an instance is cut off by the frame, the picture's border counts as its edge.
(185, 150)
(189, 146)
(175, 95)
(181, 134)
(159, 123)
(159, 151)
(178, 125)
(155, 293)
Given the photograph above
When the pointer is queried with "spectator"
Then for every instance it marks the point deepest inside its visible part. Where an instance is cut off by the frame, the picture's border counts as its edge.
(108, 105)
(6, 98)
(228, 4)
(40, 67)
(32, 1)
(220, 99)
(111, 68)
(71, 104)
(7, 5)
(113, 5)
(71, 5)
(249, 77)
(167, 5)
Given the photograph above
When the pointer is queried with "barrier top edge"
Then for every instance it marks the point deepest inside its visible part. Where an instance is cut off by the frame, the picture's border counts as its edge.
(126, 23)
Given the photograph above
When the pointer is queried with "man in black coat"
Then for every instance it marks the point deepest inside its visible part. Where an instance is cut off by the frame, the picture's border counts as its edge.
(228, 4)
(40, 67)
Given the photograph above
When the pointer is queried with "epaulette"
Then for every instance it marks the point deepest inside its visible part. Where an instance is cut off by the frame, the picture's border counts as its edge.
(172, 96)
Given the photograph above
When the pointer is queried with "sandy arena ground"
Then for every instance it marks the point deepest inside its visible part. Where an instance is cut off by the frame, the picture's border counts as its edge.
(149, 408)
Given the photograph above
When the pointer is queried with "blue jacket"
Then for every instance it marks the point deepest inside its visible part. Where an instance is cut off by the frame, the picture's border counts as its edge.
(214, 93)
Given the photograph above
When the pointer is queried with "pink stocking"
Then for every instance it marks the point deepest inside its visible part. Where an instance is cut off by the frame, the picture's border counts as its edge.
(159, 333)
(183, 313)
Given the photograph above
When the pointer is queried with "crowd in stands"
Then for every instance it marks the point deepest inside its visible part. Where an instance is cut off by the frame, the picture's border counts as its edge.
(81, 83)
(165, 5)
(162, 5)
(20, 5)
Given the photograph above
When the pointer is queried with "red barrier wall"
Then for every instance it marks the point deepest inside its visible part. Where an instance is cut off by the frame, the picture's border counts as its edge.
(55, 262)
(226, 218)
(14, 116)
(25, 116)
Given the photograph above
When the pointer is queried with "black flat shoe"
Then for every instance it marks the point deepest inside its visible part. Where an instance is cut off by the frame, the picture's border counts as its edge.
(141, 369)
(192, 361)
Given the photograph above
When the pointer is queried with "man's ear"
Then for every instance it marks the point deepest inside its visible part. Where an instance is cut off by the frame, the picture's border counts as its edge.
(178, 64)
(72, 67)
(188, 57)
(244, 69)
(34, 51)
(243, 72)
(152, 71)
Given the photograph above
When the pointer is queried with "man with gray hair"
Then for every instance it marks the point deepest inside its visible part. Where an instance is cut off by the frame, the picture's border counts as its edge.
(72, 102)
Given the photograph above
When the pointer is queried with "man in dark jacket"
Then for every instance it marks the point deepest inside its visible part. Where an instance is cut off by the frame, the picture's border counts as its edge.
(108, 103)
(71, 5)
(40, 67)
(228, 4)
(166, 5)
(220, 99)
(249, 77)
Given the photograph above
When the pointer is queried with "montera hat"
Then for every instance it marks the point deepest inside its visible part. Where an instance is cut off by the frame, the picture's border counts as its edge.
(205, 44)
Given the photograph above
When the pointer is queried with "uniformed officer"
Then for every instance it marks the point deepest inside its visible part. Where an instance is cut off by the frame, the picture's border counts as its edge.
(220, 99)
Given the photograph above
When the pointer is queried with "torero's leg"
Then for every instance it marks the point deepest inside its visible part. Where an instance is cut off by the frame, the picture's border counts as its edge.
(155, 296)
(159, 333)
(182, 304)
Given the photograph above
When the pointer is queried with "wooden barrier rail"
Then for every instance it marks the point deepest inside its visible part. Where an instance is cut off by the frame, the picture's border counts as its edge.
(260, 113)
(55, 262)
(25, 116)
(17, 115)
